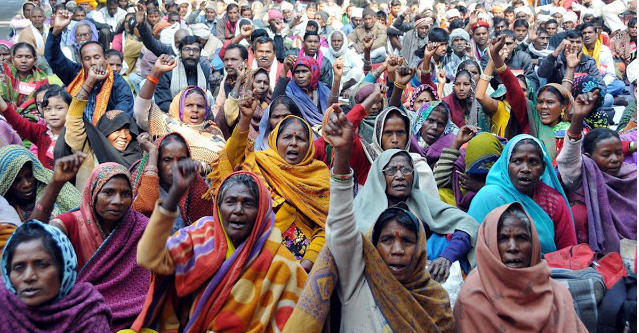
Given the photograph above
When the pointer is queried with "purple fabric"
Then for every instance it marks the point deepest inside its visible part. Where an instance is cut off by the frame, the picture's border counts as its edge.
(309, 110)
(82, 310)
(612, 205)
(630, 136)
(463, 200)
(115, 273)
(434, 151)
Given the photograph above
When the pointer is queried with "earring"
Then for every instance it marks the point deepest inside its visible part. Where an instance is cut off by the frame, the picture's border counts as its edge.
(563, 113)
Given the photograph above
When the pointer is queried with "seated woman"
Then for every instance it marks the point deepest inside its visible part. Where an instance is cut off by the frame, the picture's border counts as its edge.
(280, 108)
(23, 180)
(55, 105)
(21, 79)
(424, 93)
(509, 260)
(80, 33)
(311, 96)
(189, 114)
(602, 187)
(104, 233)
(202, 274)
(461, 172)
(525, 174)
(433, 130)
(39, 272)
(152, 180)
(298, 182)
(380, 277)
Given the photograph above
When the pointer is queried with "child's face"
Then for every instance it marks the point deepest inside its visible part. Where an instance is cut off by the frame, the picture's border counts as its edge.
(115, 63)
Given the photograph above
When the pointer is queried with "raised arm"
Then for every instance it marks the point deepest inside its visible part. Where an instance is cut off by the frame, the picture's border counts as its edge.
(165, 63)
(573, 58)
(64, 68)
(403, 75)
(489, 104)
(283, 80)
(149, 187)
(338, 70)
(146, 36)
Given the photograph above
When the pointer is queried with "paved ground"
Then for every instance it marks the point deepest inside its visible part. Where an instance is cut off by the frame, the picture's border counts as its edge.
(8, 9)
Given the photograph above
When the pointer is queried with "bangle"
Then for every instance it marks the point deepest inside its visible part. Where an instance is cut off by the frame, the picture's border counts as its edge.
(502, 68)
(485, 77)
(347, 178)
(335, 96)
(41, 208)
(85, 89)
(152, 79)
(427, 71)
(573, 136)
(400, 86)
(567, 80)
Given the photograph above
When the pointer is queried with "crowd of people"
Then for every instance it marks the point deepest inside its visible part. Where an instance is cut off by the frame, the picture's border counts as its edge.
(293, 166)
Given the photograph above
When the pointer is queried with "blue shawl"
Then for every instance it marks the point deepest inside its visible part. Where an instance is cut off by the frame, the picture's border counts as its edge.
(309, 110)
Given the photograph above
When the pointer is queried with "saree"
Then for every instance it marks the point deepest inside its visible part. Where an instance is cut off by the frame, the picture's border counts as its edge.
(418, 145)
(205, 140)
(21, 92)
(496, 298)
(500, 190)
(99, 96)
(312, 109)
(300, 192)
(13, 158)
(78, 307)
(210, 291)
(418, 304)
(108, 262)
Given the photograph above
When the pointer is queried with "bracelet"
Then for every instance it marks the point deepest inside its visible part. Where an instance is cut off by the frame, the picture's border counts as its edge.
(573, 135)
(486, 77)
(567, 80)
(334, 96)
(502, 68)
(347, 178)
(427, 72)
(85, 90)
(41, 208)
(151, 168)
(400, 86)
(152, 79)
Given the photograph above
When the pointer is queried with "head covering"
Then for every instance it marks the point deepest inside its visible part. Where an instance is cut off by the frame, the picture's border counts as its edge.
(71, 36)
(13, 158)
(452, 13)
(499, 185)
(480, 24)
(497, 9)
(569, 17)
(631, 71)
(93, 3)
(312, 113)
(425, 110)
(368, 12)
(342, 51)
(418, 91)
(585, 84)
(557, 10)
(357, 13)
(200, 30)
(275, 14)
(524, 9)
(499, 92)
(285, 5)
(104, 151)
(158, 28)
(431, 152)
(176, 110)
(567, 96)
(211, 6)
(324, 15)
(491, 298)
(374, 149)
(459, 32)
(421, 22)
(69, 260)
(6, 43)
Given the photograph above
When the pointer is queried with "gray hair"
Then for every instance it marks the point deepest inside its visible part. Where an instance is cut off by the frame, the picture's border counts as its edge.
(243, 179)
(517, 212)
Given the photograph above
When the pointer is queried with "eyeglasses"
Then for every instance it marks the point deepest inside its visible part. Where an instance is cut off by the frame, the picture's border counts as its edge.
(191, 49)
(391, 171)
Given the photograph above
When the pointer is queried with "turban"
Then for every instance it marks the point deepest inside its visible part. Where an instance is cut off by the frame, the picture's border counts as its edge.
(560, 10)
(453, 13)
(324, 15)
(285, 5)
(631, 71)
(91, 2)
(420, 23)
(201, 30)
(480, 24)
(497, 9)
(570, 17)
(459, 33)
(369, 12)
(524, 9)
(543, 18)
(357, 13)
(275, 14)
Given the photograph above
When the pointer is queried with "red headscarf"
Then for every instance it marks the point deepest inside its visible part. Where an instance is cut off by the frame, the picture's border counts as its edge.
(311, 64)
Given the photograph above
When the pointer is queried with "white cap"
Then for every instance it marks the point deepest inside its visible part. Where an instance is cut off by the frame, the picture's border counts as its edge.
(357, 13)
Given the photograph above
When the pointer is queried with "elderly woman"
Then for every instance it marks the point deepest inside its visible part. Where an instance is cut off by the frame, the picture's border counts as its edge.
(524, 174)
(81, 33)
(433, 130)
(509, 261)
(280, 108)
(39, 273)
(202, 274)
(380, 278)
(298, 182)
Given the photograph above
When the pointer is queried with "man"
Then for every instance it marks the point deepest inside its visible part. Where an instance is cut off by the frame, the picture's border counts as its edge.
(232, 16)
(311, 48)
(187, 73)
(113, 89)
(624, 45)
(83, 33)
(479, 33)
(173, 18)
(123, 4)
(452, 15)
(265, 58)
(35, 34)
(209, 18)
(460, 44)
(356, 21)
(115, 60)
(552, 27)
(374, 28)
(593, 47)
(235, 59)
(112, 14)
(538, 47)
(105, 33)
(415, 39)
(569, 21)
(498, 11)
(509, 14)
(79, 14)
(500, 24)
(524, 13)
(352, 62)
(521, 34)
(515, 60)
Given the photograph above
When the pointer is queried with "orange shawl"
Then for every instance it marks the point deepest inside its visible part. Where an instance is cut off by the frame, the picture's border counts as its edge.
(496, 298)
(101, 99)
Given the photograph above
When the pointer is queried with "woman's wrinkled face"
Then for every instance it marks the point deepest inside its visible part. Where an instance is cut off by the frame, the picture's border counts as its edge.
(608, 155)
(396, 246)
(24, 60)
(55, 113)
(549, 108)
(462, 87)
(278, 113)
(293, 142)
(5, 54)
(170, 154)
(433, 127)
(525, 168)
(238, 212)
(121, 138)
(194, 108)
(34, 274)
(24, 186)
(303, 76)
(514, 243)
(425, 96)
(261, 85)
(398, 183)
(394, 135)
(113, 200)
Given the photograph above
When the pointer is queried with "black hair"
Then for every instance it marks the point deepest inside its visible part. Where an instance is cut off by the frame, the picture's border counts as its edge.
(497, 20)
(314, 24)
(538, 149)
(23, 45)
(438, 35)
(633, 22)
(583, 27)
(264, 40)
(456, 24)
(552, 21)
(56, 91)
(44, 88)
(172, 138)
(592, 139)
(243, 50)
(572, 34)
(30, 231)
(243, 179)
(541, 30)
(509, 9)
(78, 9)
(589, 15)
(122, 26)
(521, 23)
(231, 6)
(381, 14)
(310, 33)
(517, 212)
(286, 122)
(519, 2)
(172, 14)
(259, 33)
(112, 52)
(152, 9)
(245, 8)
(509, 33)
(463, 10)
(397, 214)
(289, 103)
(467, 62)
(555, 92)
(91, 42)
(112, 2)
(188, 40)
(395, 3)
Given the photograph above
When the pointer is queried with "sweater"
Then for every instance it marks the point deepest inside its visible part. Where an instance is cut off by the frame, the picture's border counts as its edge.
(35, 132)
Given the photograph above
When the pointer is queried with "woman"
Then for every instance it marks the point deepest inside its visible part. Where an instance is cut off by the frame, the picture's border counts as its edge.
(554, 106)
(524, 173)
(424, 93)
(39, 272)
(298, 181)
(461, 172)
(23, 180)
(5, 52)
(22, 79)
(360, 93)
(433, 130)
(189, 114)
(464, 108)
(127, 41)
(509, 261)
(602, 187)
(257, 82)
(280, 108)
(380, 278)
(55, 105)
(152, 179)
(589, 84)
(195, 289)
(81, 33)
(104, 233)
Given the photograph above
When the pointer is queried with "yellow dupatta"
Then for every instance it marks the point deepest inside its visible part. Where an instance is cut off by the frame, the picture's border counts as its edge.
(102, 98)
(595, 53)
